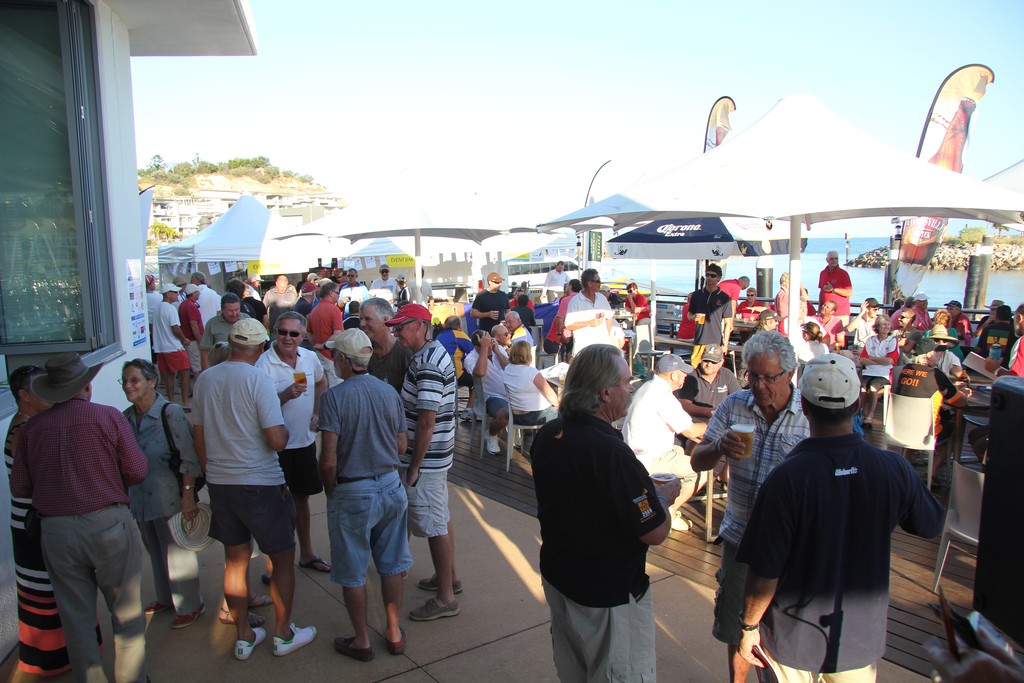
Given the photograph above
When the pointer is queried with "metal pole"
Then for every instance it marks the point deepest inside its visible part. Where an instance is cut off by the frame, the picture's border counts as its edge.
(585, 261)
(890, 269)
(792, 325)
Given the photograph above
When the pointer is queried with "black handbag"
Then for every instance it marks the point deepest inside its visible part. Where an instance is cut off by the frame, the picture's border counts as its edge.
(175, 463)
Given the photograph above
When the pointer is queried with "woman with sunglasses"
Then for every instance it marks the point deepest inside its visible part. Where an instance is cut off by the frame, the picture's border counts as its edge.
(42, 651)
(158, 497)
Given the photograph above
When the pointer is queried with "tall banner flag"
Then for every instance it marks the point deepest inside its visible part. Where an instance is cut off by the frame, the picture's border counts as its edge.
(943, 142)
(718, 123)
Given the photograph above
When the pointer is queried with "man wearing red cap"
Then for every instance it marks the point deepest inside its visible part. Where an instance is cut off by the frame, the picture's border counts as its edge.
(428, 396)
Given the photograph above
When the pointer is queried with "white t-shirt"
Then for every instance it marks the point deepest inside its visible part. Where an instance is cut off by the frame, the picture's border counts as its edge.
(863, 330)
(233, 403)
(581, 310)
(523, 394)
(494, 387)
(390, 283)
(209, 303)
(654, 418)
(298, 411)
(556, 280)
(806, 350)
(950, 364)
(876, 348)
(426, 292)
(153, 301)
(164, 340)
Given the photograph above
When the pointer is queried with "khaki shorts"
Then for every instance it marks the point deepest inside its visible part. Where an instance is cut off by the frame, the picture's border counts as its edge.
(675, 462)
(732, 578)
(428, 505)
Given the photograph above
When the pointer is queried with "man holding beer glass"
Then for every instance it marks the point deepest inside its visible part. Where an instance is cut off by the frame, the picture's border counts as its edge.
(754, 428)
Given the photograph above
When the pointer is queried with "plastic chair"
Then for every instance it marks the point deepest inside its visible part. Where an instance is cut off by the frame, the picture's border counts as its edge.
(480, 408)
(910, 423)
(542, 359)
(963, 518)
(513, 430)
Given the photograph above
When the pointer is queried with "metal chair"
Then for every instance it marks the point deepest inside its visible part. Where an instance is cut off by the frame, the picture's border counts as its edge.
(542, 359)
(963, 518)
(910, 423)
(514, 430)
(648, 354)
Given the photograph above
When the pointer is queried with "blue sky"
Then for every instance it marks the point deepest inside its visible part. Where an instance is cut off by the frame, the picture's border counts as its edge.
(521, 103)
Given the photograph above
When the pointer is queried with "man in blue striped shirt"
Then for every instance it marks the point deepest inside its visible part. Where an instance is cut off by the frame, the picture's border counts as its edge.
(772, 405)
(428, 396)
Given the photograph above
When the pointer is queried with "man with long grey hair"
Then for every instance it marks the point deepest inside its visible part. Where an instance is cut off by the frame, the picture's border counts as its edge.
(771, 406)
(599, 511)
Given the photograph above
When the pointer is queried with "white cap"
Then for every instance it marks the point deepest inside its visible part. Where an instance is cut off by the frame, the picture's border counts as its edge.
(830, 381)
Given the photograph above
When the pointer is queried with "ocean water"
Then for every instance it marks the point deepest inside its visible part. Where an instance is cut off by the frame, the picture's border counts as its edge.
(941, 286)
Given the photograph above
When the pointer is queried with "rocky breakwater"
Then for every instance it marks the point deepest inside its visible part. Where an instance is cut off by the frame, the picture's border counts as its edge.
(949, 257)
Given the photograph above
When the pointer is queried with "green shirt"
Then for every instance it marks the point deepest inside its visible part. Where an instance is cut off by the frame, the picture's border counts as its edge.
(216, 331)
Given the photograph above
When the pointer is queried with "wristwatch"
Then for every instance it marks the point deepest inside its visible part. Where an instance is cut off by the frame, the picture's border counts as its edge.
(188, 487)
(748, 627)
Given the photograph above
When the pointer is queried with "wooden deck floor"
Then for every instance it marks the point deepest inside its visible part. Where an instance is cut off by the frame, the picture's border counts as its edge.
(910, 623)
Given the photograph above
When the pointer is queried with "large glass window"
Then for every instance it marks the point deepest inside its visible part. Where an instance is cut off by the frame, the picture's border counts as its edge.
(55, 287)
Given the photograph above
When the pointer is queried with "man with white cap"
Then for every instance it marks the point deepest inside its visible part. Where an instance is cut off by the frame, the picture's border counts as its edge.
(75, 462)
(818, 539)
(922, 321)
(239, 428)
(654, 420)
(362, 432)
(169, 347)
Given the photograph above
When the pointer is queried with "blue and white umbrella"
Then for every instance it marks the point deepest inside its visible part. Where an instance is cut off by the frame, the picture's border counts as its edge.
(702, 238)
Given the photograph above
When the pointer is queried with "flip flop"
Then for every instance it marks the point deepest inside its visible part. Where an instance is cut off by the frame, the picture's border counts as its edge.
(254, 619)
(316, 564)
(260, 600)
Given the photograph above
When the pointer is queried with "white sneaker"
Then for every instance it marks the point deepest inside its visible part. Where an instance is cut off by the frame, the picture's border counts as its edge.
(468, 415)
(300, 638)
(680, 523)
(493, 447)
(244, 648)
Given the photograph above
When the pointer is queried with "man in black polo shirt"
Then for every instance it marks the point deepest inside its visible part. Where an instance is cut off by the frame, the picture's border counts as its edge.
(711, 309)
(704, 389)
(818, 540)
(598, 512)
(490, 305)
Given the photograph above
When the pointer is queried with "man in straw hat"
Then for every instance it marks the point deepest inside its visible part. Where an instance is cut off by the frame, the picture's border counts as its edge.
(824, 611)
(239, 428)
(76, 461)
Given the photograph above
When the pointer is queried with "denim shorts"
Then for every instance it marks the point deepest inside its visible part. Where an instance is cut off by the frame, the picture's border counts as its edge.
(264, 513)
(495, 404)
(536, 417)
(368, 517)
(428, 505)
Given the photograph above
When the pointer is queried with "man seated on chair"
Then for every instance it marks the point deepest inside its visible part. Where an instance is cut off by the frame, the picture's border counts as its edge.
(705, 389)
(488, 361)
(920, 378)
(653, 421)
(519, 331)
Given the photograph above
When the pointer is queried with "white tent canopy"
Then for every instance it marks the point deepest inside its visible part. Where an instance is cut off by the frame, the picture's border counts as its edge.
(238, 235)
(802, 162)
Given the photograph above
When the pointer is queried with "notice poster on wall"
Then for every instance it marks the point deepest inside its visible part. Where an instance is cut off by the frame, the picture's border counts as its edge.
(137, 301)
(214, 267)
(371, 262)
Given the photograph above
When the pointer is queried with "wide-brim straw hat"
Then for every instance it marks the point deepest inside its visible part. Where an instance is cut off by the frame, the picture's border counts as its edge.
(940, 333)
(66, 375)
(194, 535)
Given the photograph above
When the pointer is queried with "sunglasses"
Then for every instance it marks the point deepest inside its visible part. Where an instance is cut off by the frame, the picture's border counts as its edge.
(288, 333)
(714, 275)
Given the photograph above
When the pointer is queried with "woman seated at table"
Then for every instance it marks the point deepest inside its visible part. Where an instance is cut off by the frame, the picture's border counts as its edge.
(812, 345)
(878, 357)
(750, 308)
(531, 398)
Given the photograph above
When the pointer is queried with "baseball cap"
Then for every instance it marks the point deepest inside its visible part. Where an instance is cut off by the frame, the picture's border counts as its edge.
(255, 278)
(180, 280)
(190, 289)
(150, 279)
(954, 303)
(920, 296)
(872, 302)
(168, 287)
(353, 343)
(307, 288)
(671, 363)
(768, 315)
(494, 277)
(409, 312)
(400, 277)
(385, 267)
(713, 352)
(830, 381)
(248, 332)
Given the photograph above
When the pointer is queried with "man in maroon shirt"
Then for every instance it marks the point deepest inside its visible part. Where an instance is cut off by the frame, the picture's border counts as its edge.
(191, 326)
(76, 462)
(324, 321)
(835, 285)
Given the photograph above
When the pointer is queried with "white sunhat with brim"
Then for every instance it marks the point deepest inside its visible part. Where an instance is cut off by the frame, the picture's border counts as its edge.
(194, 535)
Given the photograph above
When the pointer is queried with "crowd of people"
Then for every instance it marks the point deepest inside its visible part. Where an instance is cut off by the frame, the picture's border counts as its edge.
(247, 391)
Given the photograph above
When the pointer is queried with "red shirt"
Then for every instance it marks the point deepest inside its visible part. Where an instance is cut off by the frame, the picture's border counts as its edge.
(833, 330)
(563, 304)
(188, 311)
(837, 278)
(732, 288)
(324, 321)
(962, 324)
(639, 307)
(77, 457)
(687, 328)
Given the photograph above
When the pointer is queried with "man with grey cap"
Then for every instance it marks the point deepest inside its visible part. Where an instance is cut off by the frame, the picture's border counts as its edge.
(704, 390)
(362, 433)
(818, 539)
(654, 420)
(239, 428)
(76, 461)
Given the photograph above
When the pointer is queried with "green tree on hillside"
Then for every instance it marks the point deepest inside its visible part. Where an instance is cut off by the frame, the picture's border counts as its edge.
(160, 233)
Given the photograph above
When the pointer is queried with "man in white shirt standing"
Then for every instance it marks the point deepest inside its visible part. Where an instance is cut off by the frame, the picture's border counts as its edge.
(169, 347)
(384, 282)
(555, 282)
(209, 300)
(588, 314)
(654, 419)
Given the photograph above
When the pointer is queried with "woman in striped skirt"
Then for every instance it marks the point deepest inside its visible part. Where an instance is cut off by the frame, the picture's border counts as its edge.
(40, 632)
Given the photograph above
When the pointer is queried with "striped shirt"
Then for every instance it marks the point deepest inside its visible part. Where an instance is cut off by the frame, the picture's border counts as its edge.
(772, 444)
(430, 385)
